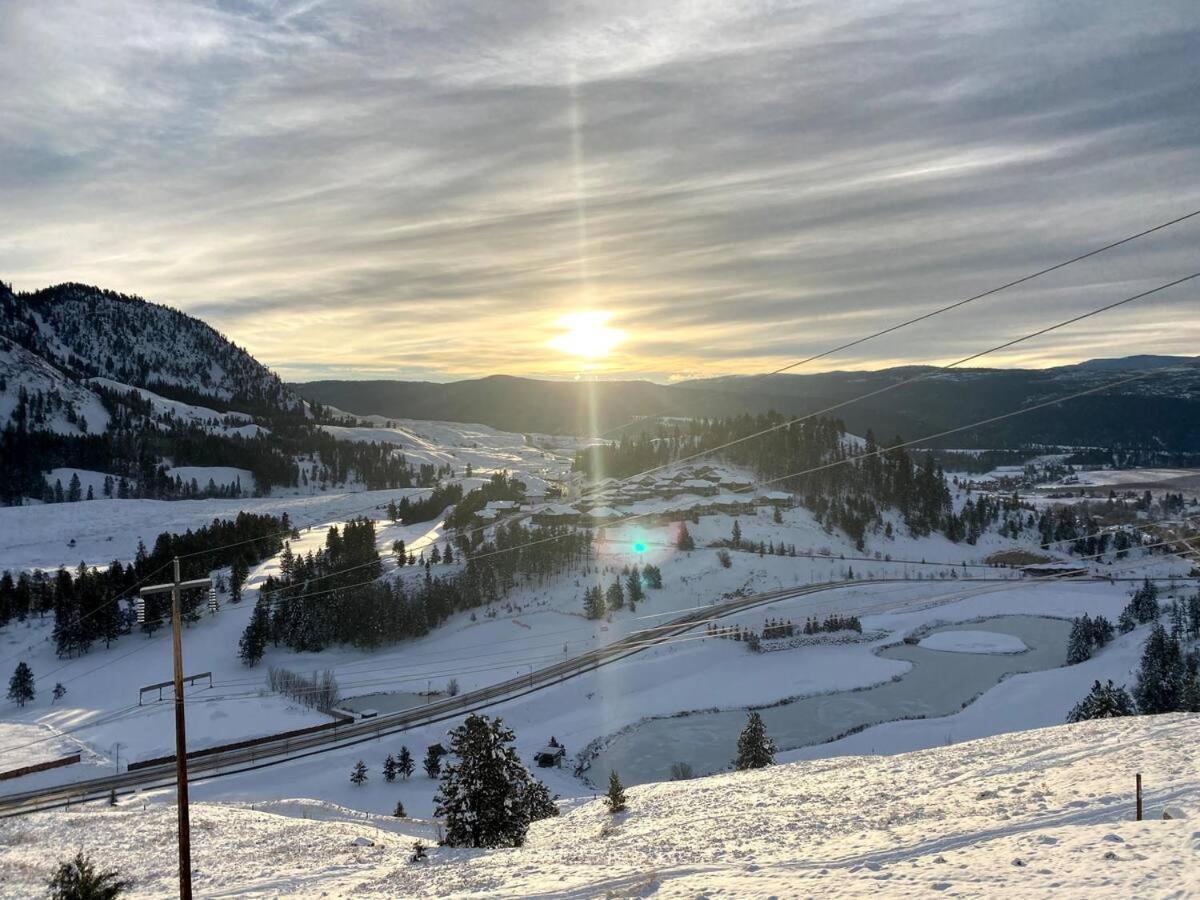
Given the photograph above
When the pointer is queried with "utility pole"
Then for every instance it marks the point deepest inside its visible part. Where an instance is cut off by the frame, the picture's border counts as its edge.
(175, 588)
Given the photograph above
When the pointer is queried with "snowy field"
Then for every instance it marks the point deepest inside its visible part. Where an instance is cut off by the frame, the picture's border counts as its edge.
(934, 601)
(1040, 814)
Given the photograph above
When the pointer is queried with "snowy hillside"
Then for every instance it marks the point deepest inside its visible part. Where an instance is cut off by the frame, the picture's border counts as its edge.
(93, 332)
(70, 407)
(1037, 814)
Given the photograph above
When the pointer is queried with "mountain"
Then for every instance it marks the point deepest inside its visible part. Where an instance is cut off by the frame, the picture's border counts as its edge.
(84, 332)
(141, 400)
(1160, 410)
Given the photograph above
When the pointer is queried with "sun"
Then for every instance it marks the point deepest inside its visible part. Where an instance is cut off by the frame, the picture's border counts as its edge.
(587, 335)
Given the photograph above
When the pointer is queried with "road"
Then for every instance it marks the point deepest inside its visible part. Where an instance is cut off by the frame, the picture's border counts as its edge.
(280, 751)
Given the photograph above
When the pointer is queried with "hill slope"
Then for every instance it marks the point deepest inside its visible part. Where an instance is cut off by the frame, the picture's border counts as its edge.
(1035, 814)
(87, 332)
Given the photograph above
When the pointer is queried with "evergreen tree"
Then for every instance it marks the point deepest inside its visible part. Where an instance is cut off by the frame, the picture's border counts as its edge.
(736, 537)
(389, 769)
(754, 749)
(433, 763)
(253, 643)
(404, 762)
(447, 554)
(684, 541)
(1079, 644)
(20, 686)
(58, 692)
(358, 775)
(593, 602)
(399, 812)
(79, 879)
(633, 588)
(777, 516)
(1102, 631)
(1126, 622)
(487, 797)
(1104, 701)
(1160, 678)
(615, 798)
(615, 596)
(237, 577)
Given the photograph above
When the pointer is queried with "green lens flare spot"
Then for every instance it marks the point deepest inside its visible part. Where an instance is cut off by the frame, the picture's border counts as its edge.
(639, 547)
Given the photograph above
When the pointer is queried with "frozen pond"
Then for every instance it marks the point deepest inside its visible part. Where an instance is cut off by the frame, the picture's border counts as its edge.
(394, 701)
(939, 683)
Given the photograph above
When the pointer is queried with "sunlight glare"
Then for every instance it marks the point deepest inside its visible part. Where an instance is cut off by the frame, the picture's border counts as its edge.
(587, 335)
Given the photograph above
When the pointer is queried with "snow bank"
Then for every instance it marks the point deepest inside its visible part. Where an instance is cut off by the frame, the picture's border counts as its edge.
(974, 642)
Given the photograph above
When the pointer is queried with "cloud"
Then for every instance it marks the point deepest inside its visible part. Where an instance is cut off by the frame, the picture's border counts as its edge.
(427, 189)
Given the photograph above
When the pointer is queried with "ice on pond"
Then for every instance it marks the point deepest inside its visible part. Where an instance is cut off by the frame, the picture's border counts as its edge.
(937, 684)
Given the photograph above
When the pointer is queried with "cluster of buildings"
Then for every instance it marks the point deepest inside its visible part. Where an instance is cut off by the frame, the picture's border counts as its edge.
(664, 496)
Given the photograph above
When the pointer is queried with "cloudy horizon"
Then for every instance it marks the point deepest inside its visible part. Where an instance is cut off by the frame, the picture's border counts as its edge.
(435, 191)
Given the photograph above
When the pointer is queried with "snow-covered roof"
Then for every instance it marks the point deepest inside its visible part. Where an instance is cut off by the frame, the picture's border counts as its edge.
(604, 512)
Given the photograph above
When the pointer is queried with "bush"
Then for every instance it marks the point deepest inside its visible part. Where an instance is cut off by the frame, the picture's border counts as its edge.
(78, 879)
(681, 771)
(319, 692)
(725, 559)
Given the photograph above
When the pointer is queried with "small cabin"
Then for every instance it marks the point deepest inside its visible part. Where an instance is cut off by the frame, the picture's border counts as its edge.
(551, 756)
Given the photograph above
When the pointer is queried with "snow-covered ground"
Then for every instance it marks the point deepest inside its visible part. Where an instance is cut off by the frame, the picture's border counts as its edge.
(968, 641)
(534, 626)
(1032, 814)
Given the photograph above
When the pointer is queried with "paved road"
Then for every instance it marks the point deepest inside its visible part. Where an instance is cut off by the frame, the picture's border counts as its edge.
(282, 750)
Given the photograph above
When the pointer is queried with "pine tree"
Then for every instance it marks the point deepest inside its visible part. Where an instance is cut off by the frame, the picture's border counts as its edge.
(684, 542)
(399, 812)
(20, 686)
(1079, 644)
(358, 775)
(593, 602)
(389, 769)
(58, 692)
(404, 762)
(253, 643)
(1160, 679)
(447, 554)
(237, 577)
(433, 763)
(1104, 701)
(633, 588)
(778, 515)
(615, 596)
(736, 537)
(615, 798)
(79, 879)
(487, 796)
(754, 749)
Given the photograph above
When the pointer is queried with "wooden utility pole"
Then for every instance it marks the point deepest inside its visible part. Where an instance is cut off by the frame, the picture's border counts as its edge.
(176, 588)
(1139, 796)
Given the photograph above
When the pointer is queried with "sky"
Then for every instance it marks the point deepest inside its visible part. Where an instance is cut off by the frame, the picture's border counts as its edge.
(442, 190)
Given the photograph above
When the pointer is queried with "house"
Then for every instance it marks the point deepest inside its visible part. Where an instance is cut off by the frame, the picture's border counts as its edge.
(698, 486)
(777, 498)
(602, 514)
(551, 756)
(556, 514)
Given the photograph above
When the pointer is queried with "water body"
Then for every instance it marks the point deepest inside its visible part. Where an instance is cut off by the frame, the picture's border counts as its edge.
(939, 683)
(396, 701)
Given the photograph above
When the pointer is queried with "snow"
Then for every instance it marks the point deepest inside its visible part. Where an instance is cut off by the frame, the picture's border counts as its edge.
(1043, 814)
(87, 478)
(20, 368)
(968, 641)
(187, 412)
(222, 476)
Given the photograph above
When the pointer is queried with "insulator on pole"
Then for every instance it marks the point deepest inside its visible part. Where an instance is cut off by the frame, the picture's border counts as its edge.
(212, 600)
(140, 606)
